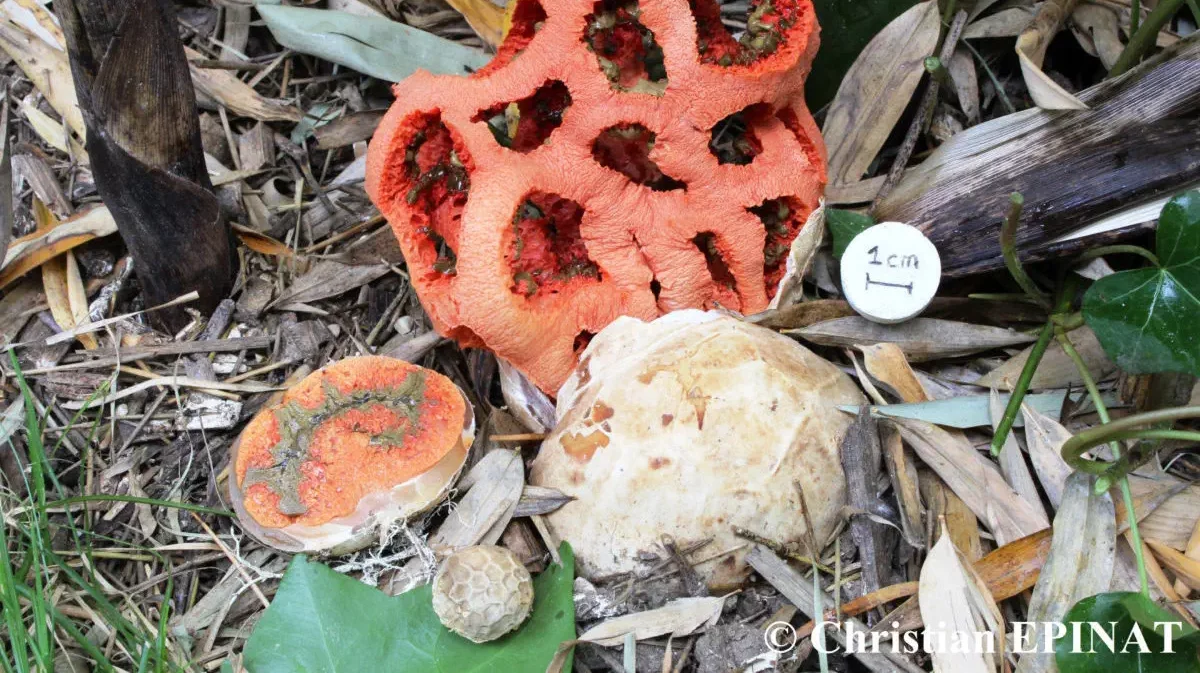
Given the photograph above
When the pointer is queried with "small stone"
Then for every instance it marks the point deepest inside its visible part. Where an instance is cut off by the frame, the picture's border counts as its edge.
(890, 272)
(482, 592)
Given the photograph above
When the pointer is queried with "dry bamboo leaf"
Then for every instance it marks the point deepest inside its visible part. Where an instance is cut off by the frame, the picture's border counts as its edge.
(485, 18)
(261, 243)
(920, 339)
(876, 90)
(328, 278)
(886, 362)
(804, 314)
(966, 84)
(804, 249)
(1057, 369)
(237, 33)
(863, 191)
(680, 617)
(1009, 22)
(525, 401)
(1192, 551)
(961, 522)
(223, 87)
(1082, 556)
(51, 131)
(1099, 27)
(62, 283)
(1031, 50)
(1012, 460)
(1045, 436)
(955, 603)
(903, 475)
(974, 479)
(17, 305)
(30, 252)
(1172, 521)
(30, 15)
(47, 68)
(1186, 570)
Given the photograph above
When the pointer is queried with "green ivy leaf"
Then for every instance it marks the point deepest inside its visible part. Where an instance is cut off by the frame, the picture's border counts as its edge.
(1117, 613)
(846, 27)
(1146, 318)
(844, 225)
(324, 622)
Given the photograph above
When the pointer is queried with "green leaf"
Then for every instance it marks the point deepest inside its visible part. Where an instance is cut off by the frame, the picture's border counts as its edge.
(378, 47)
(1146, 318)
(1119, 615)
(969, 411)
(846, 27)
(324, 622)
(844, 225)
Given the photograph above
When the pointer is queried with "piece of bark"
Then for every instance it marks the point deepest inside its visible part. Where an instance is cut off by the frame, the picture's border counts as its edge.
(1136, 143)
(143, 137)
(256, 147)
(860, 460)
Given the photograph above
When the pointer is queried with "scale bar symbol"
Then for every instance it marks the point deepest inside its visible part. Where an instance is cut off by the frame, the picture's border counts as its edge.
(907, 286)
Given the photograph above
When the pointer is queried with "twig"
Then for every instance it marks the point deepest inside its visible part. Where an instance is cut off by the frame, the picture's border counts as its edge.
(917, 127)
(237, 563)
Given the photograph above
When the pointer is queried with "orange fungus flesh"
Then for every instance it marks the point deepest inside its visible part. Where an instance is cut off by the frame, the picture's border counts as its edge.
(357, 427)
(614, 158)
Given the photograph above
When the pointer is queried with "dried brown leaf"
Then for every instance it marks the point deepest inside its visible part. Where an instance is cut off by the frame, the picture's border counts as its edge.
(920, 339)
(1045, 436)
(876, 91)
(1031, 51)
(680, 617)
(1082, 556)
(1057, 369)
(954, 603)
(974, 479)
(1186, 570)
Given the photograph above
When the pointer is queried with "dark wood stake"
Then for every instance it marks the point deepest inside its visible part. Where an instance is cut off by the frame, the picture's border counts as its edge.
(136, 94)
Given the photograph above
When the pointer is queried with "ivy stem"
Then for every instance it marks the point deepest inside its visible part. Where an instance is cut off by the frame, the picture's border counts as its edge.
(1126, 493)
(1008, 247)
(1119, 249)
(1018, 392)
(1145, 36)
(1075, 447)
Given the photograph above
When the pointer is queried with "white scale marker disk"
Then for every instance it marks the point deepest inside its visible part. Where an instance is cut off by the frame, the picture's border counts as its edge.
(890, 272)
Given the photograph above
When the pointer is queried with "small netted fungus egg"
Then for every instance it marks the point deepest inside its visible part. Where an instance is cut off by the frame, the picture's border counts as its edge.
(482, 592)
(692, 426)
(353, 447)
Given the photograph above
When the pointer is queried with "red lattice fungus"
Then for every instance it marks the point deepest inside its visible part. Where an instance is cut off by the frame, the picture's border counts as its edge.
(614, 158)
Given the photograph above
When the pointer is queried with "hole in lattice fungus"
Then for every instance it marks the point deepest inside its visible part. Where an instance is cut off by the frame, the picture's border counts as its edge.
(625, 148)
(526, 124)
(782, 219)
(726, 285)
(527, 19)
(547, 253)
(626, 49)
(741, 33)
(655, 289)
(582, 340)
(436, 181)
(734, 140)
